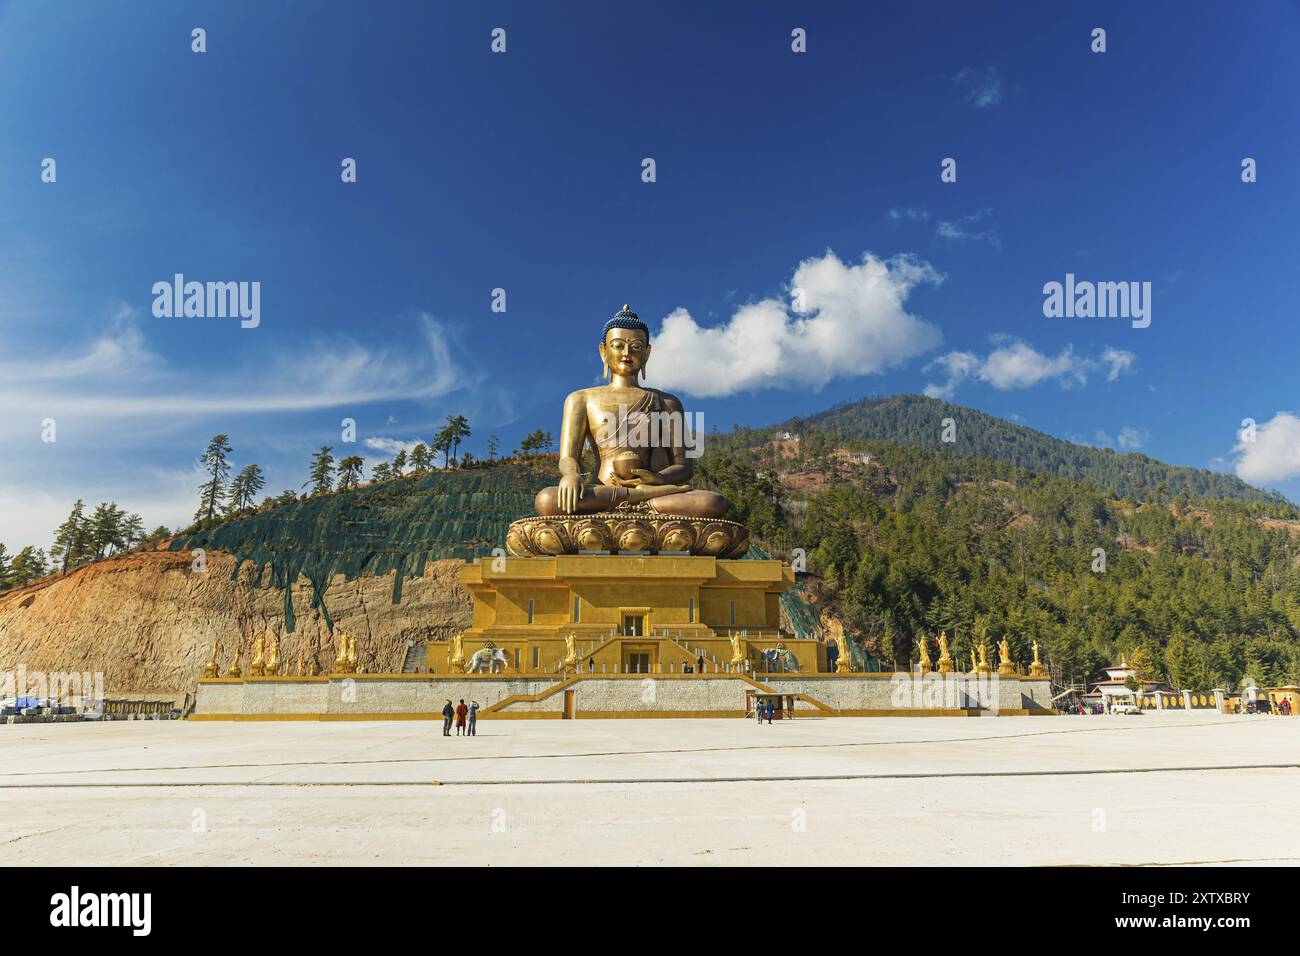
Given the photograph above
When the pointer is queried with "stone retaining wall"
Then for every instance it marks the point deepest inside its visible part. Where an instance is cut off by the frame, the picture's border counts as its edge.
(606, 695)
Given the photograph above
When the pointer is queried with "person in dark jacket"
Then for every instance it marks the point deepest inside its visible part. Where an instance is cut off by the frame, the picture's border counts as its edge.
(771, 709)
(699, 664)
(447, 714)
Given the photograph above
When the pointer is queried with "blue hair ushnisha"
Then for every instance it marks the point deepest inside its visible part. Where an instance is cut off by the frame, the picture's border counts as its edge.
(626, 319)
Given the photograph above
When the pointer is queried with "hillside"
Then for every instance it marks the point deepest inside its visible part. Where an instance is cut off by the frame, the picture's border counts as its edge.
(904, 541)
(147, 620)
(900, 541)
(392, 527)
(917, 421)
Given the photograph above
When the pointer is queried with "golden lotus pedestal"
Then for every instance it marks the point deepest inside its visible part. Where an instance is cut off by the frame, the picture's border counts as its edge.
(634, 531)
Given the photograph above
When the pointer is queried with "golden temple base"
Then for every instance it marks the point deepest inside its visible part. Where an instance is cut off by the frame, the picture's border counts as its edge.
(620, 613)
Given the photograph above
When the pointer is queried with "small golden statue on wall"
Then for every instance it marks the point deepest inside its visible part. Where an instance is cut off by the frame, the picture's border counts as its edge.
(456, 659)
(234, 670)
(273, 657)
(945, 658)
(212, 669)
(1036, 669)
(258, 667)
(341, 665)
(924, 663)
(1005, 665)
(984, 667)
(738, 656)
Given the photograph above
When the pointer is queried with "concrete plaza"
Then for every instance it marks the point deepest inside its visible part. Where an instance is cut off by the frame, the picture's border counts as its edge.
(1151, 789)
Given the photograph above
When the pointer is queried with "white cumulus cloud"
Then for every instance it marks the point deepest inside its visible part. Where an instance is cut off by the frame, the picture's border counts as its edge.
(853, 322)
(1015, 364)
(1274, 454)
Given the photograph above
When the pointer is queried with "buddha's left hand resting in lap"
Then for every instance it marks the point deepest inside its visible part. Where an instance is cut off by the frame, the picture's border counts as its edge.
(637, 434)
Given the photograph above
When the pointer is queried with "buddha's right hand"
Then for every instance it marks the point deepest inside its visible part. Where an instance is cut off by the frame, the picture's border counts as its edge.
(570, 492)
(646, 492)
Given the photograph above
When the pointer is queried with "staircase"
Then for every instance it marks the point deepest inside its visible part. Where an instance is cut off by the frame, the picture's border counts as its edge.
(416, 660)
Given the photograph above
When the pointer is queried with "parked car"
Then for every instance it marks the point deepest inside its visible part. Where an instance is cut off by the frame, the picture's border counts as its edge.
(1126, 709)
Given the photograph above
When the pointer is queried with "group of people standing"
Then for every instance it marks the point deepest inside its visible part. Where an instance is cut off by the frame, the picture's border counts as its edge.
(466, 718)
(764, 709)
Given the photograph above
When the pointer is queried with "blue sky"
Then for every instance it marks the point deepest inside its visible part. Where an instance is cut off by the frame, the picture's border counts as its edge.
(523, 170)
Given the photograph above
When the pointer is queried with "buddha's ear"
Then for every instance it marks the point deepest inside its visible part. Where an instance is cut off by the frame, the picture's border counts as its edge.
(604, 364)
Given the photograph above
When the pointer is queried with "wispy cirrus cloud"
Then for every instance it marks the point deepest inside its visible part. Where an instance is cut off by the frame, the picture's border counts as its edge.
(972, 228)
(116, 376)
(981, 88)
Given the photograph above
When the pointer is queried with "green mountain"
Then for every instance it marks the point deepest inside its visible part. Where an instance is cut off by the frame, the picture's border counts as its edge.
(1005, 533)
(904, 542)
(919, 421)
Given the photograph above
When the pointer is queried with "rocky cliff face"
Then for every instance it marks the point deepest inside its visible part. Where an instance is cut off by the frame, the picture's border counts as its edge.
(147, 621)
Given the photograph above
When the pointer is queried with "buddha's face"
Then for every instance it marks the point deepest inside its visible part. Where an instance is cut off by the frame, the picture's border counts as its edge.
(625, 351)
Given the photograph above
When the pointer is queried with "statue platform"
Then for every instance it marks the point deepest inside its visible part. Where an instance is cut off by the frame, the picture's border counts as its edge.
(622, 613)
(634, 530)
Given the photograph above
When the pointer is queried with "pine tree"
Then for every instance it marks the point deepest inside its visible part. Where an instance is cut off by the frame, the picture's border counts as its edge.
(27, 565)
(421, 459)
(534, 442)
(492, 444)
(70, 538)
(457, 430)
(399, 463)
(245, 488)
(6, 572)
(350, 472)
(381, 472)
(132, 530)
(107, 529)
(322, 471)
(213, 491)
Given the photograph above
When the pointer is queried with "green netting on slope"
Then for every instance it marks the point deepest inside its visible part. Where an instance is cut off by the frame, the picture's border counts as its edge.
(394, 526)
(805, 618)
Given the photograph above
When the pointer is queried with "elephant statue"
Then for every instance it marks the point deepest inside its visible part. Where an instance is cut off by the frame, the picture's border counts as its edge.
(491, 659)
(779, 658)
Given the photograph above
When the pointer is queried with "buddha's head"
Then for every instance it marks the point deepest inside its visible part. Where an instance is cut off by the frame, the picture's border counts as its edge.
(625, 345)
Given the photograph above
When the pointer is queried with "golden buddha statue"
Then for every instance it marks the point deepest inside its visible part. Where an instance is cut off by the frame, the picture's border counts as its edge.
(341, 655)
(1036, 669)
(234, 670)
(642, 479)
(984, 667)
(213, 669)
(945, 657)
(273, 656)
(738, 655)
(1005, 665)
(258, 667)
(924, 663)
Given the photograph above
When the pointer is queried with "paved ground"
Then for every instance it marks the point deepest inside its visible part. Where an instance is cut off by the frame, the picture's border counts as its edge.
(884, 791)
